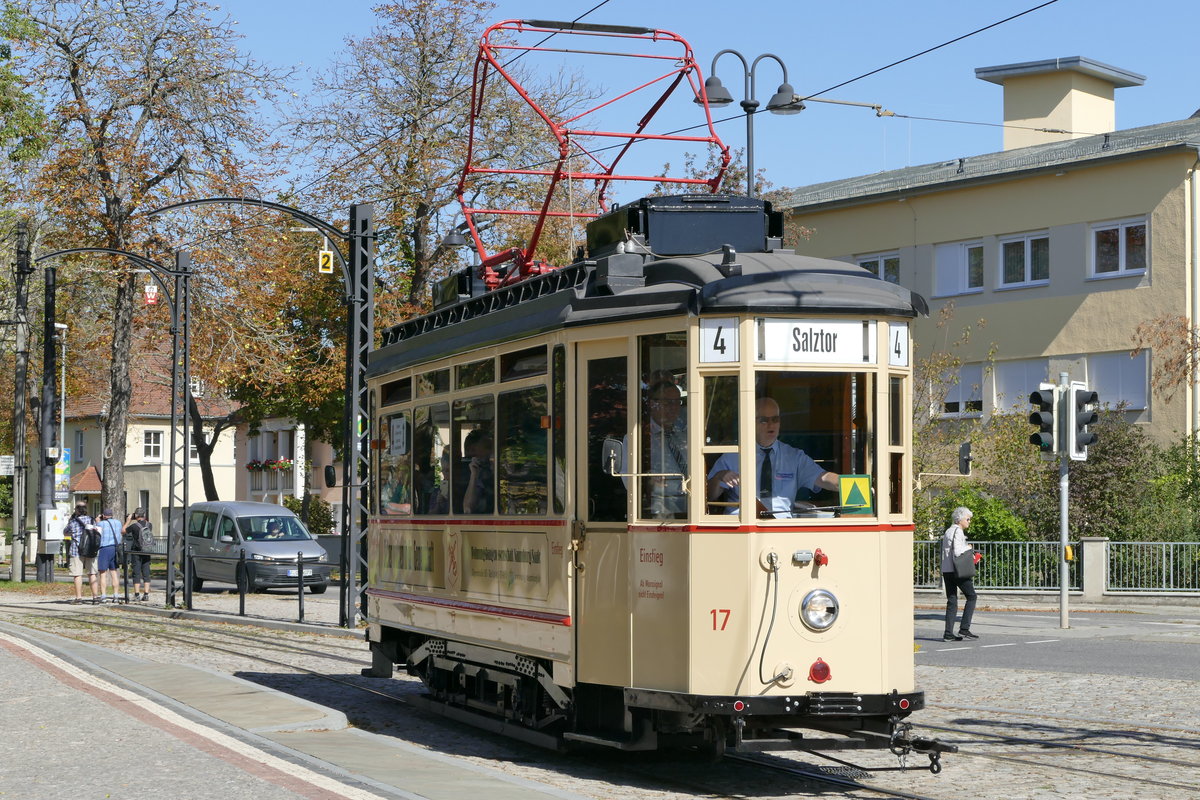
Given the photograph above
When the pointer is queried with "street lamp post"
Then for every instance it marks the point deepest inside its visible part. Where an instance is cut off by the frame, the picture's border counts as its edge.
(359, 284)
(61, 327)
(782, 102)
(177, 295)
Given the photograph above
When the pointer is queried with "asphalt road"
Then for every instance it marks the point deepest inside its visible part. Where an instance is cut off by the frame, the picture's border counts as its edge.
(1149, 644)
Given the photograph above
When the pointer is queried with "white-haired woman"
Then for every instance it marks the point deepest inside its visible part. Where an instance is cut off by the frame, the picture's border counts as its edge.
(954, 544)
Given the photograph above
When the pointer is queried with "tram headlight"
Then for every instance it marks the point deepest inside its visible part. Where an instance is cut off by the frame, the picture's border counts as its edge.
(819, 610)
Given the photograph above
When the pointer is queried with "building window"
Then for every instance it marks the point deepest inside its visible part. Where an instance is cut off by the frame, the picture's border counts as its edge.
(964, 392)
(882, 265)
(1119, 379)
(958, 268)
(77, 457)
(1119, 248)
(193, 452)
(197, 387)
(1025, 260)
(1014, 380)
(152, 442)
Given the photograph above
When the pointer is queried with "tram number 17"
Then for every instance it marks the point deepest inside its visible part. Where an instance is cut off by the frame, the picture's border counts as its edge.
(720, 618)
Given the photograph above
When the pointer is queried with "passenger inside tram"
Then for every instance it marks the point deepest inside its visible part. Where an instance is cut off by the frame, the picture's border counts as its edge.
(783, 470)
(393, 491)
(664, 453)
(478, 493)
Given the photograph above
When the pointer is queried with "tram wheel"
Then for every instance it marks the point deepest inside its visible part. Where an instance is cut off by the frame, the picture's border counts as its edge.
(713, 748)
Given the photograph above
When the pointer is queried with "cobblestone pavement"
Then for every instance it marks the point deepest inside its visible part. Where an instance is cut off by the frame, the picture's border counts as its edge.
(1129, 717)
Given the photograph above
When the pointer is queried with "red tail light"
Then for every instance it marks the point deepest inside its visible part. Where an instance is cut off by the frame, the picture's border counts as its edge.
(819, 672)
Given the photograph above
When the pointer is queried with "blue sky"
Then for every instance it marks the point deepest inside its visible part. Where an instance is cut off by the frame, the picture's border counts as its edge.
(825, 44)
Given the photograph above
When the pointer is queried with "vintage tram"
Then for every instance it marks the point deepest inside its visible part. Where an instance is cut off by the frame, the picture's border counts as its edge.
(574, 538)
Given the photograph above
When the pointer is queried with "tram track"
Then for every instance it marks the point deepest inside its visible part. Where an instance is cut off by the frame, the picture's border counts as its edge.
(207, 631)
(318, 660)
(235, 643)
(1075, 748)
(821, 776)
(1111, 761)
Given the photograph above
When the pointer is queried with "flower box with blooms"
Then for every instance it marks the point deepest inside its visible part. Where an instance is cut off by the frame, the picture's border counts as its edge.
(279, 464)
(255, 466)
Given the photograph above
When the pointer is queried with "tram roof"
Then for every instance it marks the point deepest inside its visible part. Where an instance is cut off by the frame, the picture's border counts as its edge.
(776, 282)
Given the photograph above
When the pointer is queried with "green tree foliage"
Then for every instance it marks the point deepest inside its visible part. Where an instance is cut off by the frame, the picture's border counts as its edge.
(1012, 472)
(6, 507)
(148, 102)
(22, 120)
(1108, 490)
(320, 514)
(936, 438)
(991, 518)
(1170, 510)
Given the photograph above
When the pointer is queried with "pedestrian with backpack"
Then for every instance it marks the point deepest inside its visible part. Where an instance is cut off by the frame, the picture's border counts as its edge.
(83, 532)
(139, 539)
(106, 561)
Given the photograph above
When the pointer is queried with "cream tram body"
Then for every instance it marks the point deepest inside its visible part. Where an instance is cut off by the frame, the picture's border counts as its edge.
(593, 590)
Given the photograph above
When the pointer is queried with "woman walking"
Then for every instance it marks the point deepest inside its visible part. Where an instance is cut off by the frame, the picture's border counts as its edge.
(954, 545)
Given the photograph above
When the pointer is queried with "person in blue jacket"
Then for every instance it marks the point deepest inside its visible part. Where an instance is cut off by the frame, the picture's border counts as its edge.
(106, 561)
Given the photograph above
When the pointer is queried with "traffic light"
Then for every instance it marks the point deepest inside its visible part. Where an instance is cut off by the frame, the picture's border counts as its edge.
(964, 458)
(1082, 413)
(1045, 418)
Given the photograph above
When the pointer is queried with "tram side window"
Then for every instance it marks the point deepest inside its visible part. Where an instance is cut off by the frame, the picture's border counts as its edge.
(898, 413)
(395, 466)
(431, 459)
(474, 470)
(607, 412)
(720, 432)
(521, 458)
(663, 440)
(558, 424)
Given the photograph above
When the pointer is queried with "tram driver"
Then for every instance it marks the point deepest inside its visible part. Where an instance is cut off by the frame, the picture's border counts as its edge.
(782, 469)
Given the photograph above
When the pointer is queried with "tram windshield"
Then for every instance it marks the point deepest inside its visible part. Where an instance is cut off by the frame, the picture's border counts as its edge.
(809, 429)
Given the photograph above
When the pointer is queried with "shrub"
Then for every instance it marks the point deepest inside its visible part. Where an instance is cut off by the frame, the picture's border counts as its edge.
(991, 519)
(320, 514)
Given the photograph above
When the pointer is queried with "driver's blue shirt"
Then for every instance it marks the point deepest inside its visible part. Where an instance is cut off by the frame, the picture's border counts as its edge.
(791, 467)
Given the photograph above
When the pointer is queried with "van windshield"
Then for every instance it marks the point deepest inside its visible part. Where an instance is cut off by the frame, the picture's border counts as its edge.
(272, 529)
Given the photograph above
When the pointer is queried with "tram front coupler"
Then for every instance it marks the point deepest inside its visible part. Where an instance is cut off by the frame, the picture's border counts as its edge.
(903, 743)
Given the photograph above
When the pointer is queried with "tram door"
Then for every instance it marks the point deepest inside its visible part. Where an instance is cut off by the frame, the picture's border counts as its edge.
(602, 575)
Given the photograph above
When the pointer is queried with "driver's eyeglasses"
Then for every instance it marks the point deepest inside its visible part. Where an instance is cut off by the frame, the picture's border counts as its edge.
(768, 420)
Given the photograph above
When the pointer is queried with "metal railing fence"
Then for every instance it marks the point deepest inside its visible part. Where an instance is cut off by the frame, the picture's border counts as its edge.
(1153, 567)
(1029, 566)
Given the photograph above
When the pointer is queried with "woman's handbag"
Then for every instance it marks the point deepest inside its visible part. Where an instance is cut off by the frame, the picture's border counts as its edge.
(964, 564)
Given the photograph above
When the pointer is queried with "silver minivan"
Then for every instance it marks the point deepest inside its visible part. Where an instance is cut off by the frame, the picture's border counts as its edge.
(276, 544)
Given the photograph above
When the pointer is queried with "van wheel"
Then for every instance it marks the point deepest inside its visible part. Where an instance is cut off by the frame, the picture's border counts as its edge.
(318, 588)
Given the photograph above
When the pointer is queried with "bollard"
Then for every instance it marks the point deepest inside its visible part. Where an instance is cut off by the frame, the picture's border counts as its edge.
(243, 583)
(123, 554)
(300, 584)
(189, 571)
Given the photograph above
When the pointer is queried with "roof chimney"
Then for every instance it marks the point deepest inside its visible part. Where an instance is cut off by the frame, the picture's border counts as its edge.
(1057, 99)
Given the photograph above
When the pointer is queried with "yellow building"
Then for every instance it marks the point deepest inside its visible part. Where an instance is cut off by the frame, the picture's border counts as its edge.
(1063, 242)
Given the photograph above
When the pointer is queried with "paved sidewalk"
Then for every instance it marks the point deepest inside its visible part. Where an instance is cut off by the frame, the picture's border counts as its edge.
(93, 720)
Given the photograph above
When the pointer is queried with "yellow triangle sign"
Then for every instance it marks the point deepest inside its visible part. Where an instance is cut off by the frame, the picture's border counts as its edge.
(855, 491)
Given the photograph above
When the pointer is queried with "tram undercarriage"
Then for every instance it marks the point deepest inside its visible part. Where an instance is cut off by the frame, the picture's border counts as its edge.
(515, 695)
